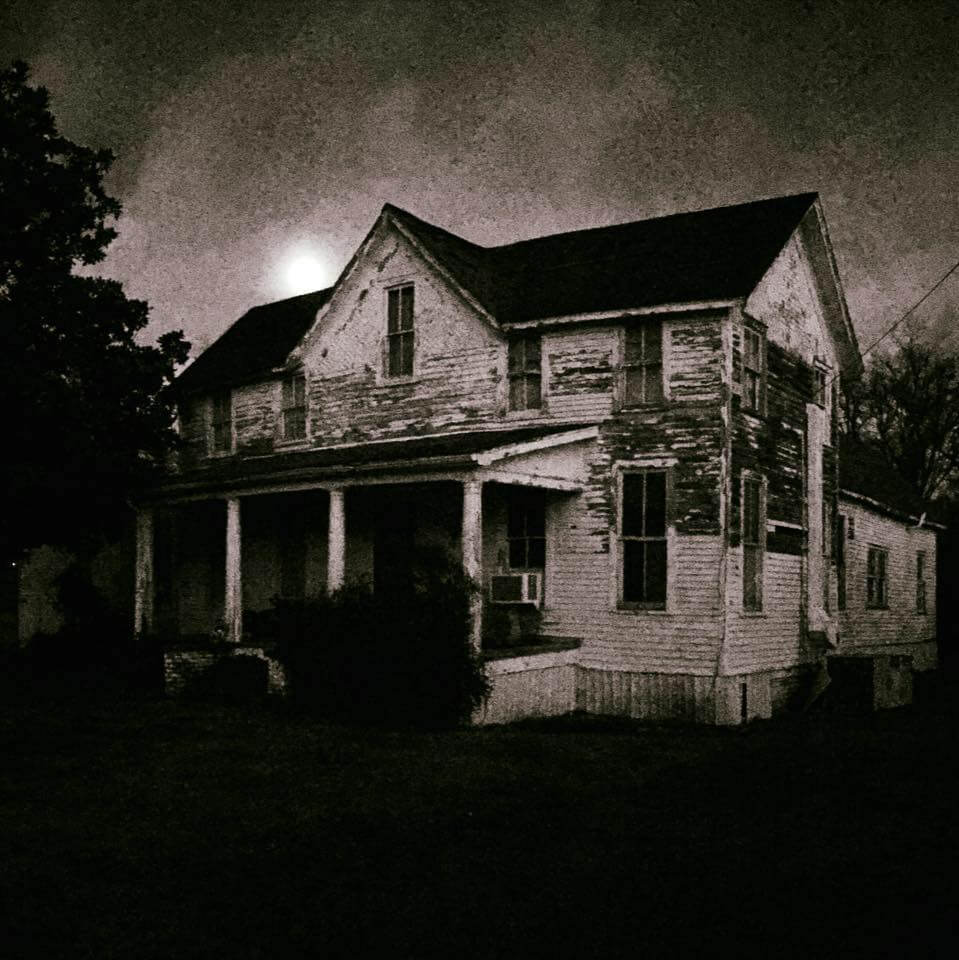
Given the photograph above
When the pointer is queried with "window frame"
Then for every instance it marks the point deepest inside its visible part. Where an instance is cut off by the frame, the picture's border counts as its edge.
(522, 369)
(643, 363)
(299, 377)
(525, 502)
(653, 606)
(921, 595)
(840, 558)
(759, 372)
(215, 422)
(877, 576)
(396, 332)
(758, 545)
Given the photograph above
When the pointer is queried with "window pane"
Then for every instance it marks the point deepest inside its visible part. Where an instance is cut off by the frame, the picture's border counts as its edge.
(633, 557)
(536, 553)
(632, 504)
(299, 391)
(517, 553)
(406, 308)
(751, 390)
(396, 355)
(536, 518)
(871, 563)
(287, 393)
(533, 358)
(514, 355)
(654, 384)
(752, 349)
(516, 520)
(751, 511)
(407, 363)
(634, 386)
(633, 345)
(656, 571)
(655, 505)
(533, 397)
(517, 394)
(653, 343)
(751, 574)
(393, 311)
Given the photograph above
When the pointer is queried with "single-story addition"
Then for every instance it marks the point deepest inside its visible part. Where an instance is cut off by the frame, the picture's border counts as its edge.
(627, 435)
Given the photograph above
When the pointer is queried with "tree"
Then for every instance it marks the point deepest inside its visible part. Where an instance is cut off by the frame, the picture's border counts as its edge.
(88, 413)
(908, 404)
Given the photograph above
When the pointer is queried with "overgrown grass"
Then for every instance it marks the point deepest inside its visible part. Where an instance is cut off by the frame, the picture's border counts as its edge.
(156, 829)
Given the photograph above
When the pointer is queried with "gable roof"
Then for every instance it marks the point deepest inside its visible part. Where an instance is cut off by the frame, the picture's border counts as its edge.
(714, 254)
(259, 342)
(865, 470)
(705, 255)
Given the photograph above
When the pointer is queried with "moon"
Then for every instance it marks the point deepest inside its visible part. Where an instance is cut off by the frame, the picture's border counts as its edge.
(304, 273)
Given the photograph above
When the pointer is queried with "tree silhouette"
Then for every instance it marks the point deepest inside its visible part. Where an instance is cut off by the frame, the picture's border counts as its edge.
(88, 416)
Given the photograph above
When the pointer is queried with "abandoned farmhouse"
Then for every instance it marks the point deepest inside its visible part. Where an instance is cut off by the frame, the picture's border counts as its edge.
(628, 437)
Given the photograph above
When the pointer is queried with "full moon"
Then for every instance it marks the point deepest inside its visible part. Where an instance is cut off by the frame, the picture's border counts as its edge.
(304, 273)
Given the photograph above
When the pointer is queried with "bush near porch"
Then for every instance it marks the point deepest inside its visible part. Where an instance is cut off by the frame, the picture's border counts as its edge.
(398, 658)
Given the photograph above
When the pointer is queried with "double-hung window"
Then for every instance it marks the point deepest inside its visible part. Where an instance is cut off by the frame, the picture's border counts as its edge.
(221, 422)
(526, 530)
(920, 582)
(643, 364)
(754, 546)
(642, 539)
(525, 373)
(294, 407)
(754, 355)
(877, 584)
(400, 337)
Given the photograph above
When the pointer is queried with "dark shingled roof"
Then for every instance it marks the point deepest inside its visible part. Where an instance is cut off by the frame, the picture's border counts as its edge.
(704, 255)
(687, 257)
(447, 450)
(257, 343)
(864, 469)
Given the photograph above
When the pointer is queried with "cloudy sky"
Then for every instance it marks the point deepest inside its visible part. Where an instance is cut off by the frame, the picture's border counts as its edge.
(250, 134)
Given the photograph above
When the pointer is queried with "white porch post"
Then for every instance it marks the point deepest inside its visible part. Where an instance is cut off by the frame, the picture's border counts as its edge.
(473, 550)
(143, 588)
(336, 542)
(233, 595)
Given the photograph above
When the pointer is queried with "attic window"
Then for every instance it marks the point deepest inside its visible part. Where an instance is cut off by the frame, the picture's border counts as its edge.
(221, 422)
(524, 362)
(294, 407)
(399, 331)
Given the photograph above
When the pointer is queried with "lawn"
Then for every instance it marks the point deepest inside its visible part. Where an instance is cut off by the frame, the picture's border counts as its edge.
(157, 829)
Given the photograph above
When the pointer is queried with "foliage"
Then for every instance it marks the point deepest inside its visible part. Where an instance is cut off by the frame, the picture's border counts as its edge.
(908, 403)
(92, 414)
(404, 658)
(237, 679)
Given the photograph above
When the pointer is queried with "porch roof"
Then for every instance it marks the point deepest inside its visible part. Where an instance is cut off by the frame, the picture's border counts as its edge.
(444, 452)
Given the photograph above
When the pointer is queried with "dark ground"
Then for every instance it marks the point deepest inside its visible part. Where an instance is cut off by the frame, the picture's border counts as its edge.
(154, 829)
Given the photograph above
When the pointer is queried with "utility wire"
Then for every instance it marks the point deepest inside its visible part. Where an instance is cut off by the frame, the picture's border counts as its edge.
(905, 316)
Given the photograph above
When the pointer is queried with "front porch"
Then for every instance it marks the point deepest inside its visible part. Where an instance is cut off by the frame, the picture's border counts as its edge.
(213, 566)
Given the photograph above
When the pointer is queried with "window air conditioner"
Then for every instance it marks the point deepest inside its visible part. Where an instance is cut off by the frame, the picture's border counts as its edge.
(516, 588)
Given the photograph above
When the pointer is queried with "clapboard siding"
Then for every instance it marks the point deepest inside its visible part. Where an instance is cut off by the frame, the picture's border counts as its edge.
(876, 631)
(580, 373)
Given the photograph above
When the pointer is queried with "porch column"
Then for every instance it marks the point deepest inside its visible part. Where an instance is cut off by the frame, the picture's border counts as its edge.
(233, 594)
(473, 550)
(143, 584)
(336, 542)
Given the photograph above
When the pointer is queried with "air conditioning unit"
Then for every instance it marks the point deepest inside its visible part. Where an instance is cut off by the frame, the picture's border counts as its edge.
(516, 588)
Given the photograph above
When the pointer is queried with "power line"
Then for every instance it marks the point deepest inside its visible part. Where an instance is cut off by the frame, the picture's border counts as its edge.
(917, 304)
(905, 316)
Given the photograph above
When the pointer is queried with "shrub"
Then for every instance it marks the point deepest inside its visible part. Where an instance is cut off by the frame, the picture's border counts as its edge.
(402, 658)
(237, 679)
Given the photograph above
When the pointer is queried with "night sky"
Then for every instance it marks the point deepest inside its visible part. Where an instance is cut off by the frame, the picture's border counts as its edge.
(248, 132)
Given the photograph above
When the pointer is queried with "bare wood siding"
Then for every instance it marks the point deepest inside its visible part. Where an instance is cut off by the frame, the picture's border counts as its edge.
(581, 373)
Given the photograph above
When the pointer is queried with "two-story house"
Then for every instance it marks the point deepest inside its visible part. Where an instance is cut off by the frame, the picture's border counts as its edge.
(627, 435)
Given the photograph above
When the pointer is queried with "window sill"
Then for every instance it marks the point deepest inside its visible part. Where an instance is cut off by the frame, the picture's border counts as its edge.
(298, 444)
(401, 381)
(530, 414)
(624, 606)
(644, 407)
(754, 614)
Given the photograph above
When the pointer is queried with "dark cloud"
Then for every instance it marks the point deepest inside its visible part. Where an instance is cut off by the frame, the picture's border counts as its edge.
(244, 129)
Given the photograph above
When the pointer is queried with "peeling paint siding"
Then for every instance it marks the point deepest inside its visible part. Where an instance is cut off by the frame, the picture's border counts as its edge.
(255, 416)
(581, 373)
(771, 639)
(887, 631)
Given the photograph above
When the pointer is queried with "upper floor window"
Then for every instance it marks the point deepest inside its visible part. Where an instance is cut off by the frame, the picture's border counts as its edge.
(754, 356)
(221, 422)
(840, 556)
(526, 530)
(294, 407)
(525, 373)
(819, 387)
(643, 364)
(920, 581)
(399, 331)
(754, 545)
(642, 539)
(877, 583)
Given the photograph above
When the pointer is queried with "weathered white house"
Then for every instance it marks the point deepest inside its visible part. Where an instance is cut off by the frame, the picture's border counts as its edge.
(627, 434)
